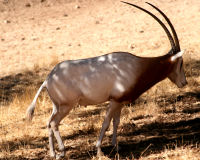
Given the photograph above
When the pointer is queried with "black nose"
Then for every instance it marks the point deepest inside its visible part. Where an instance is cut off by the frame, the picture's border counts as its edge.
(184, 83)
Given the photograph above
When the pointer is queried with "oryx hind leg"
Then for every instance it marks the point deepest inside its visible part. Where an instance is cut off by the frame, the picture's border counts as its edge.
(58, 114)
(51, 137)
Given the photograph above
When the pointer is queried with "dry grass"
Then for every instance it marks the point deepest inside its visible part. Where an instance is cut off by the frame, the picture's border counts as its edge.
(162, 124)
(177, 153)
(157, 126)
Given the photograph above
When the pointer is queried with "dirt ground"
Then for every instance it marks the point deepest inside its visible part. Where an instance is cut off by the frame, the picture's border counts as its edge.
(37, 34)
(40, 32)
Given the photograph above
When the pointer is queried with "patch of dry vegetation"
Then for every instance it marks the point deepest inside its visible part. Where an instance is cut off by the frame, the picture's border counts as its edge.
(162, 124)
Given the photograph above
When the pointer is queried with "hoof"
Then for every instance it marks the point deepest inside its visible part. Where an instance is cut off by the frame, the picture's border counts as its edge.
(117, 148)
(52, 155)
(99, 153)
(59, 156)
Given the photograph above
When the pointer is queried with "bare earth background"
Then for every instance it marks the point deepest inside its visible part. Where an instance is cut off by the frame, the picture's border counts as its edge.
(37, 34)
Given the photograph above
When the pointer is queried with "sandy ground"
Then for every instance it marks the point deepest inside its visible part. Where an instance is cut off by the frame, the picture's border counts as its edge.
(37, 33)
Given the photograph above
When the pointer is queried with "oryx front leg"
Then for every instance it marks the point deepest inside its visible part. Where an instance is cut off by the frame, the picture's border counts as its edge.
(114, 107)
(116, 121)
(54, 122)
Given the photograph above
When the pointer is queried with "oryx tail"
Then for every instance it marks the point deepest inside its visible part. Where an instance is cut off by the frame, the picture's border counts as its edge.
(31, 108)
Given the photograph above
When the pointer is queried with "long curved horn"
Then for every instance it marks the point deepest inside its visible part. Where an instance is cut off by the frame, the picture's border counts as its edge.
(171, 26)
(159, 21)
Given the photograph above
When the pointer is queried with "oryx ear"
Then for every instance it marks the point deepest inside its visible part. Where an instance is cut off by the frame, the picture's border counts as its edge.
(177, 55)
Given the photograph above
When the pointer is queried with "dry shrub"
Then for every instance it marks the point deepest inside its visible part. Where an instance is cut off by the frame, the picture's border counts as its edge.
(36, 67)
(143, 110)
(54, 59)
